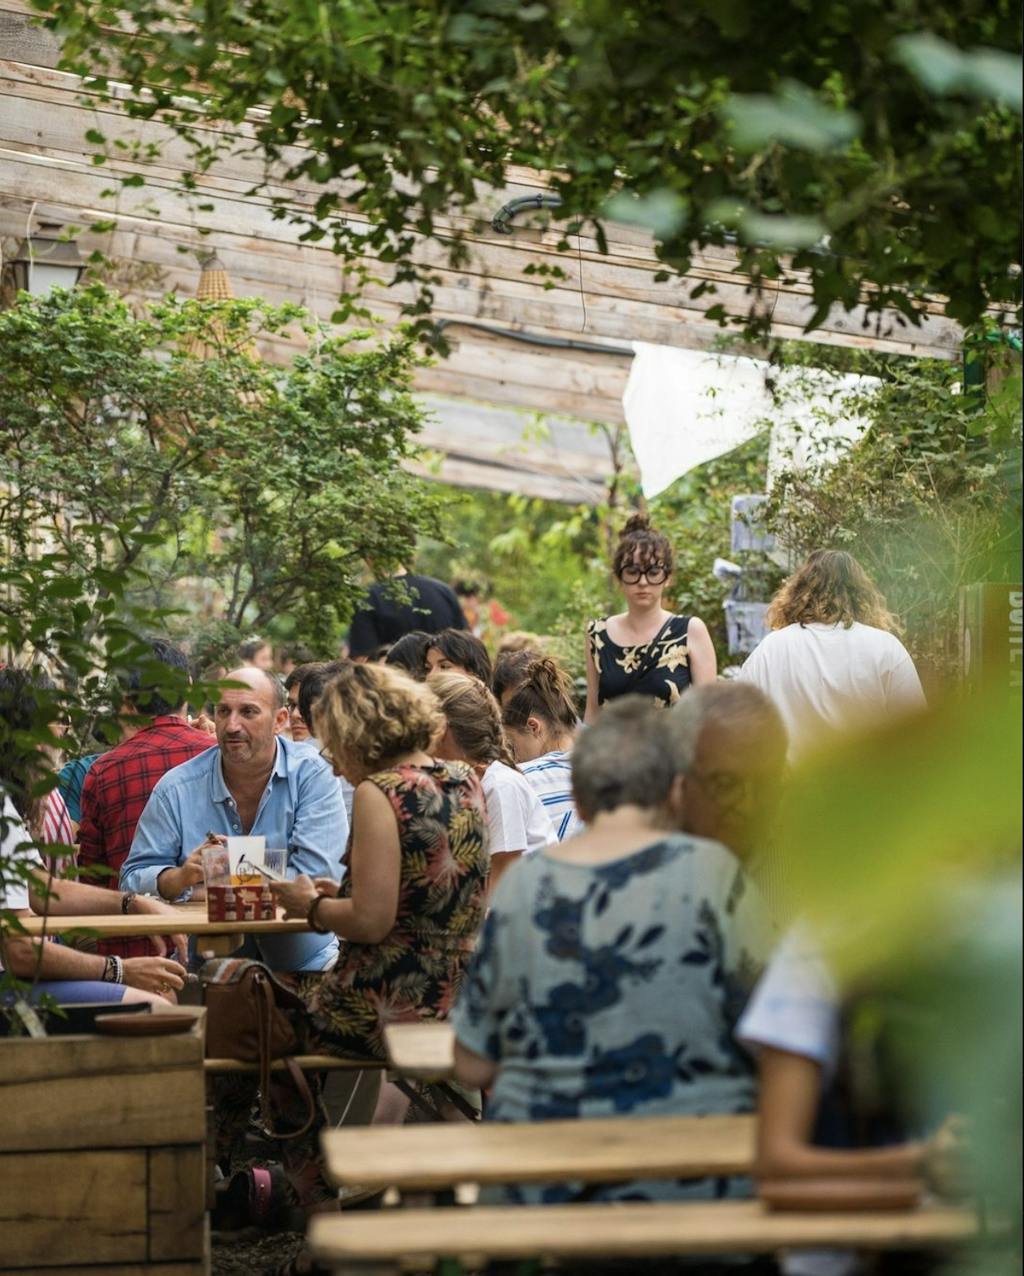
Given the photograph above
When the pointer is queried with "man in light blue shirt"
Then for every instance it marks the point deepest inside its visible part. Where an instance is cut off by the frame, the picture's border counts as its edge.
(255, 784)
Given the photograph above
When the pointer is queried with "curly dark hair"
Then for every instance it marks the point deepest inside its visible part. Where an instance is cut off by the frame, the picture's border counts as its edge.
(642, 543)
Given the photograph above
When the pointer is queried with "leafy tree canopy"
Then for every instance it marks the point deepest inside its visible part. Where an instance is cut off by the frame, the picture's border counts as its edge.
(161, 444)
(878, 143)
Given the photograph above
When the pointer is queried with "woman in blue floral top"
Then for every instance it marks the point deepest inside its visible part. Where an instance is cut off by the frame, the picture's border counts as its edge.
(612, 968)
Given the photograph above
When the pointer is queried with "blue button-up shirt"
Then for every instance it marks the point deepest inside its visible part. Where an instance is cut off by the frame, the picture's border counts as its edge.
(301, 809)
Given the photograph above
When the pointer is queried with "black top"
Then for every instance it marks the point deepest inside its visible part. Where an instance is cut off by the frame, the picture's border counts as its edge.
(386, 618)
(659, 668)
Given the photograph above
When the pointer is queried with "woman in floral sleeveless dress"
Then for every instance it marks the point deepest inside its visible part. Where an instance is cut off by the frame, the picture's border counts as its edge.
(412, 898)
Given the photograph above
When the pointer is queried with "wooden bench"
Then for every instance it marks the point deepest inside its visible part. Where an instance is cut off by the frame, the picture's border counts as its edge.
(423, 1051)
(307, 1062)
(333, 1063)
(633, 1229)
(593, 1151)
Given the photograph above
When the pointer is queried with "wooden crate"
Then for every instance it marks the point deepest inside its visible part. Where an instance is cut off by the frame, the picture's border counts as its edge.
(102, 1155)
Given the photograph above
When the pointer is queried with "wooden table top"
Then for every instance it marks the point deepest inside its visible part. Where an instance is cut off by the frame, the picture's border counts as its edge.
(623, 1230)
(593, 1151)
(424, 1051)
(188, 919)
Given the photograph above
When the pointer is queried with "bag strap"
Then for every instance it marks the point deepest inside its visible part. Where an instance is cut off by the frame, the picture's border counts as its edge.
(304, 1093)
(263, 997)
(265, 1008)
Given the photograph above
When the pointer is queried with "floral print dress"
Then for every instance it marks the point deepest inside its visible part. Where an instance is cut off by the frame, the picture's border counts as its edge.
(659, 668)
(613, 990)
(415, 972)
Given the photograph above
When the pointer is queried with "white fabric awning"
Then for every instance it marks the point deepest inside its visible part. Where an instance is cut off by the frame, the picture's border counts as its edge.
(685, 407)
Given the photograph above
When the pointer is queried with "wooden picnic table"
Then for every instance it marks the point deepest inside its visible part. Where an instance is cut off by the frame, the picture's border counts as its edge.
(629, 1229)
(188, 919)
(592, 1150)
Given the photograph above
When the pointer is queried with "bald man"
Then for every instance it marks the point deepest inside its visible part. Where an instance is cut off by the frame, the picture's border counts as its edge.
(255, 783)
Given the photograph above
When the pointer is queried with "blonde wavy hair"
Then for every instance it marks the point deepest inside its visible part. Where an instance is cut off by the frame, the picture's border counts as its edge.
(473, 717)
(374, 713)
(830, 588)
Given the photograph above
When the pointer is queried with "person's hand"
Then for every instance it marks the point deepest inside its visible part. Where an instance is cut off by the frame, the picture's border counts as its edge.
(203, 722)
(172, 881)
(159, 975)
(192, 869)
(327, 886)
(295, 897)
(163, 945)
(946, 1161)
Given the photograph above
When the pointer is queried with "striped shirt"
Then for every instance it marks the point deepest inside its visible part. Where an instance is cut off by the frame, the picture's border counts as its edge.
(550, 776)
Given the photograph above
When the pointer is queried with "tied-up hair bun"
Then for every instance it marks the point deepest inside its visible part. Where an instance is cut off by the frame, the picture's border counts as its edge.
(634, 524)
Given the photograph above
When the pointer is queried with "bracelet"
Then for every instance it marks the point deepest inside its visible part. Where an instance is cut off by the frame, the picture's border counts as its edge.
(311, 917)
(113, 970)
(126, 901)
(118, 970)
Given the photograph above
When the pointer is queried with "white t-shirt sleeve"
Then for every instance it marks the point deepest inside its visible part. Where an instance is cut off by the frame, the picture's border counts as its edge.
(516, 821)
(14, 850)
(795, 1006)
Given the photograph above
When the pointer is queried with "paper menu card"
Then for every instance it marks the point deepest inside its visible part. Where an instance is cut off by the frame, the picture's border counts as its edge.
(250, 848)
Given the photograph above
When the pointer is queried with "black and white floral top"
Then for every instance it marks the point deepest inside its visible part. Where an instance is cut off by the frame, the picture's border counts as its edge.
(613, 989)
(659, 668)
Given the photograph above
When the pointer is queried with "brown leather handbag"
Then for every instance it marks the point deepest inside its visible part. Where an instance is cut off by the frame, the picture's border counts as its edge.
(253, 1017)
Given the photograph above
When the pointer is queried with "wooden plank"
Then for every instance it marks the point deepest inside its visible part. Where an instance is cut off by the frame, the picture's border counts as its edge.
(57, 92)
(22, 41)
(200, 1267)
(495, 267)
(425, 1051)
(626, 1230)
(187, 921)
(501, 390)
(60, 1207)
(176, 1202)
(85, 1092)
(309, 1062)
(592, 1151)
(498, 259)
(499, 478)
(54, 1058)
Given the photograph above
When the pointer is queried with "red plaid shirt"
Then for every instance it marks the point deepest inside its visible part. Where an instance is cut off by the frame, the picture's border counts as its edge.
(114, 795)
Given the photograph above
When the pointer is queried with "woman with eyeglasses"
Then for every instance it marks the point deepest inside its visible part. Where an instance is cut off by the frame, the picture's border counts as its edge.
(645, 650)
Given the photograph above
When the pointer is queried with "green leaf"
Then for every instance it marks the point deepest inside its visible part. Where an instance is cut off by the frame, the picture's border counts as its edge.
(942, 68)
(662, 211)
(793, 116)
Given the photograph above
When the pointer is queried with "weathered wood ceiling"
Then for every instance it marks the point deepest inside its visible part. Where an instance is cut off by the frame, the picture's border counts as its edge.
(47, 173)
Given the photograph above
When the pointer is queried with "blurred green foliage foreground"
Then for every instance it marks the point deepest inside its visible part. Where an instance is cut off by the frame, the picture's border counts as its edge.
(902, 850)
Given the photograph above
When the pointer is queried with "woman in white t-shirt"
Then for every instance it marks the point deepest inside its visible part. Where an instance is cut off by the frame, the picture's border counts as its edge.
(516, 820)
(832, 660)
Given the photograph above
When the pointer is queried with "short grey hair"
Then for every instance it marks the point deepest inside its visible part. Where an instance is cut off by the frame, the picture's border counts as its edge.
(624, 759)
(738, 705)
